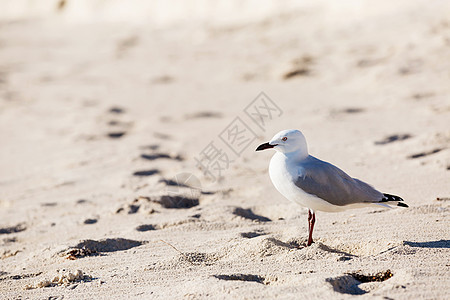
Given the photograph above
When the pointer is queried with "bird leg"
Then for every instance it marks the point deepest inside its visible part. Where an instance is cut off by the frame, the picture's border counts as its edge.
(311, 221)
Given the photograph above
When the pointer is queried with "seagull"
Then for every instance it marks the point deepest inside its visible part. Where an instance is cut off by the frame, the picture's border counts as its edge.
(316, 184)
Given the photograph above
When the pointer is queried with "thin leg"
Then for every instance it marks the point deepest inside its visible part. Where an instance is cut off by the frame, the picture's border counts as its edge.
(311, 221)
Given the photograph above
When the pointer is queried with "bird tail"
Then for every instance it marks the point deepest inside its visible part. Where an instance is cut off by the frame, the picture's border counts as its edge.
(391, 199)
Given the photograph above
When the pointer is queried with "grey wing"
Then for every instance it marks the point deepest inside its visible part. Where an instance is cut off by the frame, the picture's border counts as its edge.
(333, 185)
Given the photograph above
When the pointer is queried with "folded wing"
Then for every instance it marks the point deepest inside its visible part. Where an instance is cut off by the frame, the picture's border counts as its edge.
(333, 185)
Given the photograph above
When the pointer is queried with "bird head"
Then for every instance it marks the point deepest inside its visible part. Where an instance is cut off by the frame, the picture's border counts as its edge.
(286, 141)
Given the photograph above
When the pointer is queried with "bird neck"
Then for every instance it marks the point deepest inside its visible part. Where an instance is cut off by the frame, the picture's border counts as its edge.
(297, 155)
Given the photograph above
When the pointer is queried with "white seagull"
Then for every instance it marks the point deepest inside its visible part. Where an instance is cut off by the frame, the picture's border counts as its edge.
(316, 184)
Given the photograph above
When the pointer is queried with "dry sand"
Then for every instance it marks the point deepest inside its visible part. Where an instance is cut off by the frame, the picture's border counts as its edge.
(96, 121)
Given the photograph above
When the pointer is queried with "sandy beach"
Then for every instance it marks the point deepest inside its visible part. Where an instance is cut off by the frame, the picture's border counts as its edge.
(128, 165)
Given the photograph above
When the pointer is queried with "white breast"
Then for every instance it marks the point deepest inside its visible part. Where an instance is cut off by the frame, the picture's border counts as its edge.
(283, 176)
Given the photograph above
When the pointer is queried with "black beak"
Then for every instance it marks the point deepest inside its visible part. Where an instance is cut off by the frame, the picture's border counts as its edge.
(265, 146)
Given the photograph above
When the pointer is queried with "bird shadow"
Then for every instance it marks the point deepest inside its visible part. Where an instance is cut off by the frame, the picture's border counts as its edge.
(302, 244)
(430, 244)
(346, 255)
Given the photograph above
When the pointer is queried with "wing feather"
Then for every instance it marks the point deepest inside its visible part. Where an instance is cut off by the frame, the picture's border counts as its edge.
(333, 185)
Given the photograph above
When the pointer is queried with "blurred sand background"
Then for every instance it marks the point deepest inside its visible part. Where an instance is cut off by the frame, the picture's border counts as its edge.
(104, 103)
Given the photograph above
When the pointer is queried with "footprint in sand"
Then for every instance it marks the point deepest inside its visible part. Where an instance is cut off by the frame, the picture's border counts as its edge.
(13, 229)
(133, 208)
(125, 45)
(249, 214)
(301, 68)
(155, 156)
(150, 147)
(393, 138)
(90, 221)
(422, 95)
(343, 112)
(177, 201)
(116, 135)
(426, 153)
(146, 227)
(242, 277)
(203, 115)
(164, 79)
(352, 110)
(162, 136)
(9, 240)
(116, 110)
(19, 276)
(411, 66)
(252, 234)
(146, 204)
(353, 283)
(146, 172)
(49, 204)
(117, 128)
(8, 253)
(93, 247)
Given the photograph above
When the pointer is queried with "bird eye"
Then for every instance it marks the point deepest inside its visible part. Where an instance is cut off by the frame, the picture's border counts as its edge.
(284, 139)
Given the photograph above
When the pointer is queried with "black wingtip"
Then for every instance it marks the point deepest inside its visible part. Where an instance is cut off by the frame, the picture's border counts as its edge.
(388, 198)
